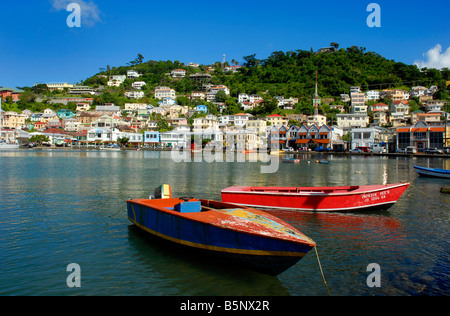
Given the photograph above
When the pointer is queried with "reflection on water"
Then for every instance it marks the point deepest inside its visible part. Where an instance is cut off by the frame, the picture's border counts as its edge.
(60, 207)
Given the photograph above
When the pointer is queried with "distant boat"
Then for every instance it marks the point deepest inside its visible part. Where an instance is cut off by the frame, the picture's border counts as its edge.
(291, 160)
(250, 237)
(318, 199)
(7, 146)
(433, 172)
(110, 147)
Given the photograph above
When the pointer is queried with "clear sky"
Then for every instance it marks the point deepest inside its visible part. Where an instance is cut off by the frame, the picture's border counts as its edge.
(36, 45)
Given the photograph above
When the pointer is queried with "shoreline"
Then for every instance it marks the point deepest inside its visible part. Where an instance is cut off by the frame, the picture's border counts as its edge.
(312, 153)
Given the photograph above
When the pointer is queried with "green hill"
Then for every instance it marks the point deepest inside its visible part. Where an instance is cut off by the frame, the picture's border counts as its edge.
(292, 74)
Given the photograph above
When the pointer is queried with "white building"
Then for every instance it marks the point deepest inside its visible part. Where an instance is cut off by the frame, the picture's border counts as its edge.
(138, 84)
(434, 105)
(218, 88)
(178, 73)
(164, 92)
(134, 94)
(372, 95)
(367, 137)
(349, 121)
(132, 74)
(135, 106)
(102, 134)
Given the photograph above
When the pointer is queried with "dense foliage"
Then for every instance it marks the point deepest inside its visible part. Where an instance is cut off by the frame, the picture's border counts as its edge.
(288, 74)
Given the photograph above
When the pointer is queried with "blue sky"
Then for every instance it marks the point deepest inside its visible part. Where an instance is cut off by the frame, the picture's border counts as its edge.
(36, 45)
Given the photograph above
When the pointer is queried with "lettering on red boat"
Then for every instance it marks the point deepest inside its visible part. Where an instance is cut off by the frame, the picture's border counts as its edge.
(373, 197)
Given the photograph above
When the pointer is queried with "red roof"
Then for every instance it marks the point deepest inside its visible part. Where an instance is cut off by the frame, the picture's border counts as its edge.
(275, 115)
(54, 131)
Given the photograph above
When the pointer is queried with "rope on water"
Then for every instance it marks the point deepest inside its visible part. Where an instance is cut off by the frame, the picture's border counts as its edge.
(321, 271)
(415, 188)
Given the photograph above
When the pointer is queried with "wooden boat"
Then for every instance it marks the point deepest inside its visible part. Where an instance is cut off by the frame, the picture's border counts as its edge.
(290, 160)
(250, 237)
(319, 199)
(433, 172)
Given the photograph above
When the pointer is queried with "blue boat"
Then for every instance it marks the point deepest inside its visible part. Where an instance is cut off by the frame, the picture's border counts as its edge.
(246, 236)
(433, 172)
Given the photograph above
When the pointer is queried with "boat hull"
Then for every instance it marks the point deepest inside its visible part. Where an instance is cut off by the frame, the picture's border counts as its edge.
(204, 232)
(8, 146)
(430, 172)
(326, 199)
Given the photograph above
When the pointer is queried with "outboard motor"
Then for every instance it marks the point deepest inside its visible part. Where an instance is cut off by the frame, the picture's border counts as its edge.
(162, 192)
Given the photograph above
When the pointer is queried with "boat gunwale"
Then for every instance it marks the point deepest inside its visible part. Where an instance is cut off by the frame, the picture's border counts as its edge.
(436, 170)
(305, 193)
(288, 238)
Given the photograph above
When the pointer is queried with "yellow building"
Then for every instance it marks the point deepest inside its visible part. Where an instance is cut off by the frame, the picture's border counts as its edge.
(13, 120)
(58, 86)
(277, 120)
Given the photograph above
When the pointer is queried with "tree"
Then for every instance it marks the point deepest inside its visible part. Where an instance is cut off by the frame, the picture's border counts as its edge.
(123, 141)
(251, 61)
(139, 59)
(335, 45)
(221, 96)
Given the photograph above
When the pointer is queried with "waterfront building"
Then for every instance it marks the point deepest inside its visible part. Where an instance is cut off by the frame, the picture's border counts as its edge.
(152, 138)
(367, 137)
(102, 134)
(420, 136)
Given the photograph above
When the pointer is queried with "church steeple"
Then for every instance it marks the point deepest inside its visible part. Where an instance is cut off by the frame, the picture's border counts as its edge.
(316, 99)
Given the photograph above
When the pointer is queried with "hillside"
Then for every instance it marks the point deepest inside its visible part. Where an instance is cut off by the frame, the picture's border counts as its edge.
(288, 74)
(292, 74)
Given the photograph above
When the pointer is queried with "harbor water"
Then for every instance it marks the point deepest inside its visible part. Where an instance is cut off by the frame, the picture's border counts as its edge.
(62, 207)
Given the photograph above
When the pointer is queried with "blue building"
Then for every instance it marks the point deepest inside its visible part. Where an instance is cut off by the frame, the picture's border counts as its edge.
(202, 108)
(152, 138)
(65, 114)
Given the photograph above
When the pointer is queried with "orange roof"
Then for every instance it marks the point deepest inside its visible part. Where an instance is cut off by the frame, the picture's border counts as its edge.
(321, 141)
(403, 130)
(424, 129)
(275, 115)
(437, 129)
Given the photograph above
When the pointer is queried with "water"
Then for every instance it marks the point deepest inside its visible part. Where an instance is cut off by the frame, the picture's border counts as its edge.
(63, 207)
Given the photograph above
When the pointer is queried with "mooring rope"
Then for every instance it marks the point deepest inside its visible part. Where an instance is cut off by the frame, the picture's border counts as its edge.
(321, 271)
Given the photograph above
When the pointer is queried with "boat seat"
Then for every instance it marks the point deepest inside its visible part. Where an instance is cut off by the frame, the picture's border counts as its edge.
(188, 207)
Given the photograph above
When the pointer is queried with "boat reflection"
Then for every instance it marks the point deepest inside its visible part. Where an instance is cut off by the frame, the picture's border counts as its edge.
(371, 229)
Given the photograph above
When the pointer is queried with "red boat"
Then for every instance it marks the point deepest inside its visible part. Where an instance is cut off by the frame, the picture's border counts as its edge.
(318, 199)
